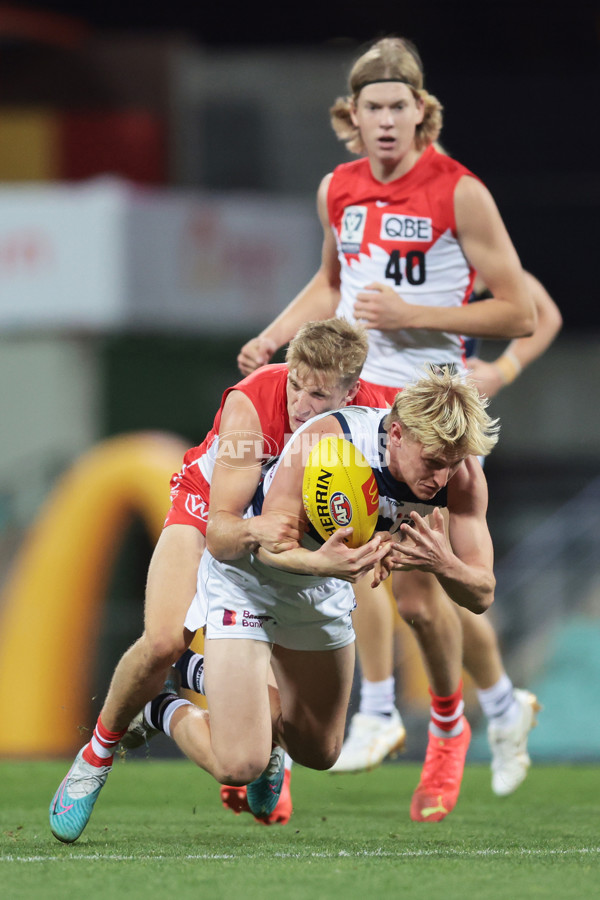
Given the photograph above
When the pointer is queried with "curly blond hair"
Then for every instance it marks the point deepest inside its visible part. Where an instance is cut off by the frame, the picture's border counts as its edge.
(445, 414)
(389, 58)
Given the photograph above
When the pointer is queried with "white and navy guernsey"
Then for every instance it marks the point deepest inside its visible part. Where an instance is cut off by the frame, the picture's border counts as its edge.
(364, 427)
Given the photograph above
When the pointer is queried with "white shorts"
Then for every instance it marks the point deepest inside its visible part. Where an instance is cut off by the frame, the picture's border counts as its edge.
(247, 599)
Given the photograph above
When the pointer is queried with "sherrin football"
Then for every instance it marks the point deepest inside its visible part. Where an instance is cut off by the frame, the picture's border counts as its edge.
(339, 489)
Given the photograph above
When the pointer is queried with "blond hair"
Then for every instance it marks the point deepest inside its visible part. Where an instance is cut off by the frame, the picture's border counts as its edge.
(331, 345)
(389, 58)
(445, 414)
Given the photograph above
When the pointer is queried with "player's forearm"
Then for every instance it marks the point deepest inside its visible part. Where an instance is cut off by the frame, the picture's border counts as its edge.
(491, 318)
(318, 300)
(299, 561)
(527, 349)
(230, 537)
(469, 586)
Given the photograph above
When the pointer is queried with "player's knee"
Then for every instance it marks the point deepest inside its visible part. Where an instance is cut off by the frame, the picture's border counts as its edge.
(319, 756)
(415, 613)
(238, 772)
(163, 648)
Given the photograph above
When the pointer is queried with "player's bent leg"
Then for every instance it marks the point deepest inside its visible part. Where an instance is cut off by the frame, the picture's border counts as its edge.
(481, 651)
(373, 621)
(434, 619)
(139, 676)
(140, 731)
(277, 808)
(376, 730)
(171, 587)
(314, 688)
(240, 704)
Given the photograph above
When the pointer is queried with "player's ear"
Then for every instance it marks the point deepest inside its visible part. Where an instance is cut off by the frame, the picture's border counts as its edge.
(351, 394)
(420, 104)
(395, 432)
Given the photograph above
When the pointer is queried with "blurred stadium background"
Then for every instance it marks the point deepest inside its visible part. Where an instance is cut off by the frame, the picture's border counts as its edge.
(157, 179)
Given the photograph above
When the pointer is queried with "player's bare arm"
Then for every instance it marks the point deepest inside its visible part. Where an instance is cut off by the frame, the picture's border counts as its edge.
(491, 377)
(318, 300)
(509, 314)
(334, 559)
(236, 476)
(462, 559)
(511, 311)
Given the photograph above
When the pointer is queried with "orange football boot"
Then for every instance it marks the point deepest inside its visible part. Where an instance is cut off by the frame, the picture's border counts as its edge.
(439, 787)
(234, 798)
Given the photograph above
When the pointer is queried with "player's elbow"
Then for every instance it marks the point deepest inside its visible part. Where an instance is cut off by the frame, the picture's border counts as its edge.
(484, 597)
(482, 604)
(556, 319)
(526, 323)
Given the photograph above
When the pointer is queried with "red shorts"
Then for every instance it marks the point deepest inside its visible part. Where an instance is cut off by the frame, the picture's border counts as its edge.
(189, 500)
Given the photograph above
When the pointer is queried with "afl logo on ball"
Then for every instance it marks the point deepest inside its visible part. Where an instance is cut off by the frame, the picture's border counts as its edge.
(340, 508)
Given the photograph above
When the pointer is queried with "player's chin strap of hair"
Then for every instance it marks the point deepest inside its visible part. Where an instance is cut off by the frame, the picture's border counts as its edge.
(363, 84)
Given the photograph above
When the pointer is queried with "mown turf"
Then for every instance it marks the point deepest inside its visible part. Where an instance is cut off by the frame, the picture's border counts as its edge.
(159, 830)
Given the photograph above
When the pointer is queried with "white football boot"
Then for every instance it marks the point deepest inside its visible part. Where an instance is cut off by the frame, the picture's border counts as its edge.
(510, 759)
(370, 739)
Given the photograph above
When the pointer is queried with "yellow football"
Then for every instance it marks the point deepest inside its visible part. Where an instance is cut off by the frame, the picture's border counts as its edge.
(339, 489)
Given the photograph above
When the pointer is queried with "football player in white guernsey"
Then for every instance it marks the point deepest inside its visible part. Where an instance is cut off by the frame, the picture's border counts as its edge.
(405, 229)
(291, 609)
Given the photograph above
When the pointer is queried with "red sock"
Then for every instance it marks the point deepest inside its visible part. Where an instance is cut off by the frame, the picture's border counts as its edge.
(101, 748)
(446, 712)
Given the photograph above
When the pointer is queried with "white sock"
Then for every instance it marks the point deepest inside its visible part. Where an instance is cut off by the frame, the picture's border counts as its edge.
(498, 702)
(436, 731)
(169, 714)
(288, 761)
(159, 712)
(377, 698)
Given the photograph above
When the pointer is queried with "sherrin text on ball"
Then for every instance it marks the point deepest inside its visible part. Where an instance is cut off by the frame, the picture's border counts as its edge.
(339, 489)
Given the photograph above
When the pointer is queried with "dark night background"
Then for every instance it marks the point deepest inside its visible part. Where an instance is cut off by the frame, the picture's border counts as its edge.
(520, 83)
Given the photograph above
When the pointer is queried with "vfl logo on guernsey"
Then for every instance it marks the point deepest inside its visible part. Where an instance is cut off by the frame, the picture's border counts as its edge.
(341, 509)
(353, 228)
(405, 228)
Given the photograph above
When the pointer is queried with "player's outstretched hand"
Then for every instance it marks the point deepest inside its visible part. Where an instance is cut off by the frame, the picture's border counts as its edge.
(425, 545)
(257, 352)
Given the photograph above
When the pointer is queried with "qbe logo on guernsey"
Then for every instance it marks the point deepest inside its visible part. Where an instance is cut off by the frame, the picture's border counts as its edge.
(405, 228)
(353, 228)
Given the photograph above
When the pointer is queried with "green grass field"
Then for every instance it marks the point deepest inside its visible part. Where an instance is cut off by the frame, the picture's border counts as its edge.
(158, 830)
